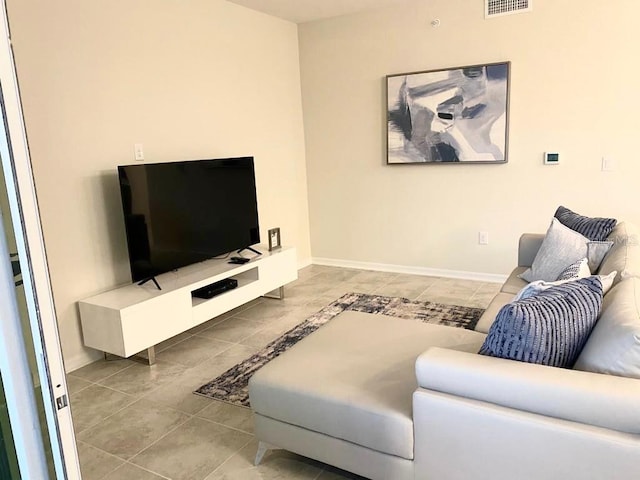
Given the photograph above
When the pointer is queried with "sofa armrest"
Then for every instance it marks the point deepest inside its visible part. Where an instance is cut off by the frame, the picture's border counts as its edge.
(589, 398)
(528, 247)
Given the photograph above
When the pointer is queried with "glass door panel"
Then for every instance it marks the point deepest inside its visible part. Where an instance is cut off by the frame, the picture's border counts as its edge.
(19, 368)
(8, 460)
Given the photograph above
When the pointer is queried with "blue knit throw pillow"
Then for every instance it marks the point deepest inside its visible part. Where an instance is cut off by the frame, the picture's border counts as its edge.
(595, 228)
(550, 328)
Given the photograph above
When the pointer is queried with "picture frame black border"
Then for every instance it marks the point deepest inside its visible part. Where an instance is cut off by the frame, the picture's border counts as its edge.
(480, 162)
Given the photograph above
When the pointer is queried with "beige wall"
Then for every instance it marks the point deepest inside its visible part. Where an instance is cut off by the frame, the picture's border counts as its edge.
(197, 79)
(574, 88)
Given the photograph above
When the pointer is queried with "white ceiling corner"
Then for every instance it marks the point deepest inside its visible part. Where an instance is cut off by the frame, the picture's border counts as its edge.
(302, 11)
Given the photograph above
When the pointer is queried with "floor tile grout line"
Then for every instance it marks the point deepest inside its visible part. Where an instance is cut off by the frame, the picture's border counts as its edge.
(222, 424)
(189, 366)
(143, 468)
(127, 393)
(137, 399)
(230, 457)
(174, 344)
(91, 384)
(239, 341)
(101, 450)
(216, 339)
(78, 432)
(106, 453)
(153, 391)
(230, 319)
(159, 438)
(192, 417)
(112, 389)
(131, 364)
(239, 316)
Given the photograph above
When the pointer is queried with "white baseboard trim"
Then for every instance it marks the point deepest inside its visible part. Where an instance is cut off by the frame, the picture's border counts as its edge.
(431, 272)
(304, 263)
(79, 361)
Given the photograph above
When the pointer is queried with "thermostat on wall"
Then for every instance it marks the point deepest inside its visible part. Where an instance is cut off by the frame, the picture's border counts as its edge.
(551, 158)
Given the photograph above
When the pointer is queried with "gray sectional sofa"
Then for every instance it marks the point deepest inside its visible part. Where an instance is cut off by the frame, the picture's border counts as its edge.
(410, 400)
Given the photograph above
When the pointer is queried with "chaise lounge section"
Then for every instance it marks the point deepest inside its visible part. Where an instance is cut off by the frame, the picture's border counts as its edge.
(346, 402)
(399, 399)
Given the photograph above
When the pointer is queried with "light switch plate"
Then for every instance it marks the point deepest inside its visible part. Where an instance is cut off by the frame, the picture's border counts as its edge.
(138, 151)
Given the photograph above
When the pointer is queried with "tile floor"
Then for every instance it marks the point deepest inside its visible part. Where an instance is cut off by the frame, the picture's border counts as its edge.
(138, 422)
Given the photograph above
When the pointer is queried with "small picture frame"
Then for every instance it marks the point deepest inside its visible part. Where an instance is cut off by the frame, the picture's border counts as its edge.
(274, 239)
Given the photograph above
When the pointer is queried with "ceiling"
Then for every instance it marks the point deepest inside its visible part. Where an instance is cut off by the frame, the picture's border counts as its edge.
(301, 11)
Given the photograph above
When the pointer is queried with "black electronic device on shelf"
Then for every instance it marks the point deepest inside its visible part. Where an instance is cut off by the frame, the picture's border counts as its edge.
(210, 291)
(239, 260)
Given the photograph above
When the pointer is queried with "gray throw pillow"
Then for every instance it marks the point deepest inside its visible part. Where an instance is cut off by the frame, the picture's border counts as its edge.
(549, 328)
(560, 248)
(594, 228)
(596, 251)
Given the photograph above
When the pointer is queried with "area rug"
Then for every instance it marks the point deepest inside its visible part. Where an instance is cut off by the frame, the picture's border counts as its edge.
(232, 385)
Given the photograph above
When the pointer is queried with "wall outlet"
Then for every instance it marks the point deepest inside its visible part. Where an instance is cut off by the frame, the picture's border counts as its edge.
(138, 151)
(483, 238)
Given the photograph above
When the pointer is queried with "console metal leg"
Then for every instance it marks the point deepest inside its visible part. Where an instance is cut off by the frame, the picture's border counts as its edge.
(279, 296)
(149, 360)
(151, 354)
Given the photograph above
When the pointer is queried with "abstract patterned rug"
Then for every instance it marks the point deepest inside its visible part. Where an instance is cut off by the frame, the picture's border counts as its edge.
(232, 385)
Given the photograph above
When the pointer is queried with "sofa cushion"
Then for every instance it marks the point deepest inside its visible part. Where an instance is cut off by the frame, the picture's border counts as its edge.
(489, 315)
(528, 247)
(353, 379)
(614, 344)
(514, 283)
(549, 328)
(595, 228)
(624, 256)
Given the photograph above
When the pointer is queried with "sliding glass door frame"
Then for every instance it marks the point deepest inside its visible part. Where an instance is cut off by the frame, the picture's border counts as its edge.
(25, 217)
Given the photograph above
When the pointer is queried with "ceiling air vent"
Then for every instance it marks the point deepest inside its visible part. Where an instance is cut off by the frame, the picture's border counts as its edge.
(496, 8)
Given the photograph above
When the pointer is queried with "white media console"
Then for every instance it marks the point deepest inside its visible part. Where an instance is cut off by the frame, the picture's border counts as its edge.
(133, 318)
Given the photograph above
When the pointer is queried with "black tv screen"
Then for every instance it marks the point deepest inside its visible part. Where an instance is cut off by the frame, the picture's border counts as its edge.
(180, 213)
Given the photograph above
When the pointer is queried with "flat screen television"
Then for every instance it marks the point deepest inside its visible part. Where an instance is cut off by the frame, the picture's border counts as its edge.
(180, 213)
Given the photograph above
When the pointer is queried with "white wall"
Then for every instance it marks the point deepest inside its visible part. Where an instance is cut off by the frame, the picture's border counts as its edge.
(197, 79)
(574, 88)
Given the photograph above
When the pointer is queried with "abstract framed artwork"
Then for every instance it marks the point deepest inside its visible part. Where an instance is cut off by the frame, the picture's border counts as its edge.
(456, 115)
